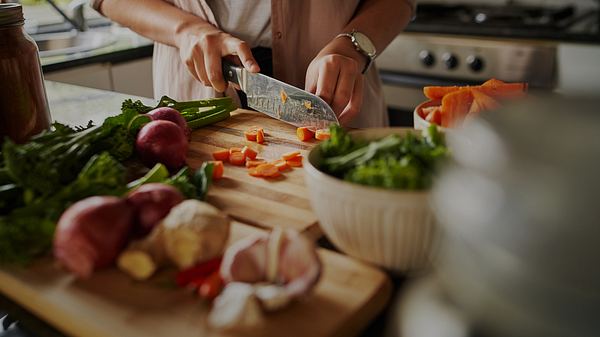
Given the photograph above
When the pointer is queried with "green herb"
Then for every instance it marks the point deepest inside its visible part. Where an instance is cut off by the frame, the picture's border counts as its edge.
(203, 179)
(54, 158)
(157, 174)
(194, 186)
(393, 162)
(27, 232)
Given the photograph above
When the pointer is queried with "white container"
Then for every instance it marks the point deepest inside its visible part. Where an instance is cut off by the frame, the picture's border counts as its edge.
(419, 122)
(392, 229)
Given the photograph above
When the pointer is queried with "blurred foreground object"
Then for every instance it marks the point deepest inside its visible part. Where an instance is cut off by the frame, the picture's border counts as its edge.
(520, 215)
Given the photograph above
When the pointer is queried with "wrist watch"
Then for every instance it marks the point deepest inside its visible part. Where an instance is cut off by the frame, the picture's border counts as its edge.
(363, 44)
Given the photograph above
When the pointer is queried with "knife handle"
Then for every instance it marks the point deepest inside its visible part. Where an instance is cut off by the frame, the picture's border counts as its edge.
(231, 72)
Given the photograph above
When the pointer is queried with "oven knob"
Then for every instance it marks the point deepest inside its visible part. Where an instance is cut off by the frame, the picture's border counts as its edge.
(450, 61)
(475, 63)
(427, 58)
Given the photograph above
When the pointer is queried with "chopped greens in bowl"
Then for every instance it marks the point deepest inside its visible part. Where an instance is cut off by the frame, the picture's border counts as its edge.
(402, 162)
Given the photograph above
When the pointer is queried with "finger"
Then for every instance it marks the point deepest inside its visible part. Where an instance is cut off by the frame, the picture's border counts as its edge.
(242, 50)
(345, 87)
(355, 105)
(310, 83)
(199, 68)
(212, 59)
(191, 66)
(327, 81)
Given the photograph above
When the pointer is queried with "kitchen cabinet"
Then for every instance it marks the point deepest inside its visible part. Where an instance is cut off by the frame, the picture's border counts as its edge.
(132, 77)
(96, 76)
(579, 68)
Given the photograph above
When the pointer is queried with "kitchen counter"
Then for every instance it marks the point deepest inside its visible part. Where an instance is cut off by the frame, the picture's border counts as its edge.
(76, 105)
(129, 46)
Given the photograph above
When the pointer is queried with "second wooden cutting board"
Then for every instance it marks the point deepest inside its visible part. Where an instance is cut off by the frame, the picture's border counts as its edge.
(281, 202)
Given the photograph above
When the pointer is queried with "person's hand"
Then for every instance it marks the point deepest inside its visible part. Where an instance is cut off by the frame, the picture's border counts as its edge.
(335, 76)
(201, 48)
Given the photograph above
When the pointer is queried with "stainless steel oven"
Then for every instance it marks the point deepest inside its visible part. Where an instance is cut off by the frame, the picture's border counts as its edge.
(457, 44)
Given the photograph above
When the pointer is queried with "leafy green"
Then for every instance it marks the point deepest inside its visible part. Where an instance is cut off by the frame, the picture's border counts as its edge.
(54, 158)
(193, 186)
(393, 162)
(158, 173)
(203, 179)
(136, 106)
(27, 232)
(11, 196)
(40, 179)
(340, 143)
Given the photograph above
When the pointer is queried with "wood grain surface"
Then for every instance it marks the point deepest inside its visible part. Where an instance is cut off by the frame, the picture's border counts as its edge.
(346, 298)
(267, 203)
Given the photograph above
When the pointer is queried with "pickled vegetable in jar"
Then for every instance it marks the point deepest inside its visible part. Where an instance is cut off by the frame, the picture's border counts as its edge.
(23, 104)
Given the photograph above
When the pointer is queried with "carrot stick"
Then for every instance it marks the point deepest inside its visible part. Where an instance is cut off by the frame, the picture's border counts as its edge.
(322, 134)
(295, 162)
(281, 165)
(234, 149)
(237, 158)
(254, 172)
(222, 155)
(251, 133)
(260, 136)
(254, 163)
(249, 153)
(304, 134)
(290, 155)
(267, 170)
(218, 169)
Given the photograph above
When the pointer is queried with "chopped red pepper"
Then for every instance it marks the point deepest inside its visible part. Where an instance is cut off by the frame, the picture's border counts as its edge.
(212, 286)
(197, 274)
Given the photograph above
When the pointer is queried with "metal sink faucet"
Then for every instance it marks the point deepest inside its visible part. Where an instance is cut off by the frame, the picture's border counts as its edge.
(78, 9)
(76, 6)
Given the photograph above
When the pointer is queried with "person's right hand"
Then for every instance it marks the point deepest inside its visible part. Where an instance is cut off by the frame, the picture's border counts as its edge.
(201, 48)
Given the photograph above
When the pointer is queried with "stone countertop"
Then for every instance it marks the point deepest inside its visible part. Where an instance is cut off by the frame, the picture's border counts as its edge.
(76, 105)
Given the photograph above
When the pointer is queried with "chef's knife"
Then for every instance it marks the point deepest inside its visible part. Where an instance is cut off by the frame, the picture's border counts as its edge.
(280, 100)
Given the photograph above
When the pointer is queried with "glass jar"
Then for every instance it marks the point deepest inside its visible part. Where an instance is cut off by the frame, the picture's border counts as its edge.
(23, 104)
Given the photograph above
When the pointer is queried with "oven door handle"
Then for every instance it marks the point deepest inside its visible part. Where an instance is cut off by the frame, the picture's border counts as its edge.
(419, 81)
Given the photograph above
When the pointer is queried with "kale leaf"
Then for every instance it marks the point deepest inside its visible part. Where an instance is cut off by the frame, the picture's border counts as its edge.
(393, 162)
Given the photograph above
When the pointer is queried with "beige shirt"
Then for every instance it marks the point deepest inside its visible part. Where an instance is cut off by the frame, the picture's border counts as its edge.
(300, 29)
(248, 20)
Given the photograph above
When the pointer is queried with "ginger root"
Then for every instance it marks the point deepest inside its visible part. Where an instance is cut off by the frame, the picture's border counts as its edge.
(191, 233)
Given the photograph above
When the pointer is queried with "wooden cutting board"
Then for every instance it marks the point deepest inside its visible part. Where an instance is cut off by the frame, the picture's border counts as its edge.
(346, 298)
(281, 202)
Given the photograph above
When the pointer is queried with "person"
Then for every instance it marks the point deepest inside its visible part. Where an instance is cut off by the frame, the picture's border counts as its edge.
(323, 46)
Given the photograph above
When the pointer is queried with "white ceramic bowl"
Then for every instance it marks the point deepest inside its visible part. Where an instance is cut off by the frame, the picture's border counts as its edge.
(392, 229)
(419, 122)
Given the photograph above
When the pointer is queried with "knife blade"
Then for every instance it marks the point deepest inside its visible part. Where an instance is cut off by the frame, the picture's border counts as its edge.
(280, 100)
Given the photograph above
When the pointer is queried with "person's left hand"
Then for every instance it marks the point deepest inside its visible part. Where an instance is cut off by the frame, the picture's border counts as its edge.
(335, 76)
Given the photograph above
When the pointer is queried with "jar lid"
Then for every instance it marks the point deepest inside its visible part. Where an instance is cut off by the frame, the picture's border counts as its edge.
(11, 14)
